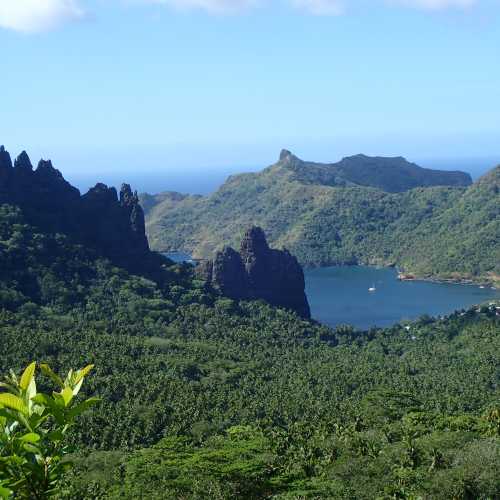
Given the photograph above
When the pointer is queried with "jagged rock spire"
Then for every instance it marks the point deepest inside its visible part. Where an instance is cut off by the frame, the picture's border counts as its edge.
(23, 162)
(127, 197)
(259, 272)
(45, 165)
(113, 226)
(253, 244)
(5, 160)
(285, 154)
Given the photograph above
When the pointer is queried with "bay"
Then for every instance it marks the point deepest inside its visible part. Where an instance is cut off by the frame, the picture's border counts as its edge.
(340, 295)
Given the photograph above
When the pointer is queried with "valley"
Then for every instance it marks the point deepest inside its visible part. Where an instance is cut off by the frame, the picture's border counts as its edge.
(438, 232)
(203, 387)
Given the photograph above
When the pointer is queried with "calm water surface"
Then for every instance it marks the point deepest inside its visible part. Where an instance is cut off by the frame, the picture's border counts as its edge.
(179, 257)
(339, 295)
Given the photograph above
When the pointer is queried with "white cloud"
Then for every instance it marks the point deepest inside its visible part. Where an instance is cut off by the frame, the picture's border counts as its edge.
(436, 4)
(317, 7)
(32, 16)
(214, 6)
(320, 7)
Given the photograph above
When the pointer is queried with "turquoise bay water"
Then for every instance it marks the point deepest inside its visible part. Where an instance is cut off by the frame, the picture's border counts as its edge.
(339, 295)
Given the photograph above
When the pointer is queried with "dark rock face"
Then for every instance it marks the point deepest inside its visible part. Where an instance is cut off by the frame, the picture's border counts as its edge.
(114, 226)
(228, 274)
(259, 272)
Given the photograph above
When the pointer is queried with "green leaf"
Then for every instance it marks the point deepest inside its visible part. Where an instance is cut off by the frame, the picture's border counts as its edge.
(67, 394)
(13, 402)
(82, 373)
(44, 400)
(58, 400)
(47, 371)
(77, 387)
(32, 448)
(27, 376)
(5, 492)
(31, 437)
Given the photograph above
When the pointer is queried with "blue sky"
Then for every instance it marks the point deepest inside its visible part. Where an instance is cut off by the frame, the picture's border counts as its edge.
(132, 85)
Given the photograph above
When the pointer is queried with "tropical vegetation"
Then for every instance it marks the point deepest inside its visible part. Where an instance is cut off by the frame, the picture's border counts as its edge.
(432, 232)
(205, 397)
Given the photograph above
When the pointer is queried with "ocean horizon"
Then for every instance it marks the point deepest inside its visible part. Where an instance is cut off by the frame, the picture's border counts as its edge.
(205, 180)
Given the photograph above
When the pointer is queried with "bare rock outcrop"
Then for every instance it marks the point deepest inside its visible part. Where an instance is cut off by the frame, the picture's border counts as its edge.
(258, 272)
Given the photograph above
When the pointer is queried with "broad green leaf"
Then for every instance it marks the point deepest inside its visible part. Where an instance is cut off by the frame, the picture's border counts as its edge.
(82, 373)
(31, 437)
(67, 394)
(13, 402)
(58, 399)
(77, 387)
(44, 400)
(31, 391)
(69, 379)
(47, 370)
(5, 492)
(27, 376)
(32, 448)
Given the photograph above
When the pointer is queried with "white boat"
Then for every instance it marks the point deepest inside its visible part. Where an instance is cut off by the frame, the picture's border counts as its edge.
(372, 289)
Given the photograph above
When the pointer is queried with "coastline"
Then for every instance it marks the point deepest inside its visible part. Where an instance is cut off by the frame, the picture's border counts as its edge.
(492, 281)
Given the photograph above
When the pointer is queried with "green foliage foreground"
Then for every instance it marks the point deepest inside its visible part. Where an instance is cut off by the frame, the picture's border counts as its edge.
(204, 397)
(33, 428)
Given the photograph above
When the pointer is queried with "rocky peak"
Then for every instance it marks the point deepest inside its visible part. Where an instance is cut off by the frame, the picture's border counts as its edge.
(102, 194)
(5, 160)
(23, 162)
(127, 198)
(253, 244)
(259, 272)
(288, 159)
(285, 155)
(114, 227)
(45, 167)
(228, 274)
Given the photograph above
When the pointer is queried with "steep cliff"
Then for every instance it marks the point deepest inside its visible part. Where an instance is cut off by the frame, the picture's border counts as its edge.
(112, 225)
(258, 272)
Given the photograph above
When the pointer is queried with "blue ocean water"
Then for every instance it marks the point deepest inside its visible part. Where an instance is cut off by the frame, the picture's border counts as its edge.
(340, 295)
(206, 180)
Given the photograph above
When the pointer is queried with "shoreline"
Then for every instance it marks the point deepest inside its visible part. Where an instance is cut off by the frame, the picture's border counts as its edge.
(480, 281)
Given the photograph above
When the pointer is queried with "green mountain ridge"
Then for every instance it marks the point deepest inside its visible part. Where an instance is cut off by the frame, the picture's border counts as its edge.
(444, 232)
(389, 174)
(208, 397)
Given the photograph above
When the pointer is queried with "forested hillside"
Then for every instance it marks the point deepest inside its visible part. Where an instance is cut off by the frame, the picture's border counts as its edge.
(178, 369)
(439, 232)
(208, 397)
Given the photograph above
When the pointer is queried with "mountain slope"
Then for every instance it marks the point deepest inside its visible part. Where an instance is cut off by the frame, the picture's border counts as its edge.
(389, 174)
(204, 396)
(426, 229)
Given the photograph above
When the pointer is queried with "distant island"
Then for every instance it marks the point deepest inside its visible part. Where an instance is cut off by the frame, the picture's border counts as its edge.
(362, 210)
